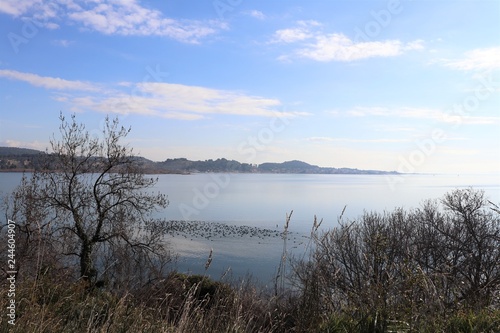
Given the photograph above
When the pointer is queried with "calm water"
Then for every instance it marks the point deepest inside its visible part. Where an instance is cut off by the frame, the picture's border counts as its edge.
(263, 200)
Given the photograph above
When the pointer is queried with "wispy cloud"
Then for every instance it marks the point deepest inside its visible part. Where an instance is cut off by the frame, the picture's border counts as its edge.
(62, 42)
(126, 18)
(404, 112)
(394, 128)
(53, 83)
(302, 31)
(312, 43)
(185, 102)
(476, 60)
(333, 139)
(257, 14)
(167, 100)
(419, 114)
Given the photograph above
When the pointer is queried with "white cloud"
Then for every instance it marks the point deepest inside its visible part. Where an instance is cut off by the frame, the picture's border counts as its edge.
(39, 12)
(203, 100)
(338, 47)
(415, 45)
(48, 82)
(291, 35)
(129, 18)
(478, 59)
(314, 44)
(185, 102)
(113, 17)
(167, 100)
(302, 32)
(257, 14)
(16, 7)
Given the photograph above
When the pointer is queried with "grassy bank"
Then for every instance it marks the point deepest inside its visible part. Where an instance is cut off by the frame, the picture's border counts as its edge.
(183, 303)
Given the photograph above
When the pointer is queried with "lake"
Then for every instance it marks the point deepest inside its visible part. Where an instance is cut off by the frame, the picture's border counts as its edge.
(232, 204)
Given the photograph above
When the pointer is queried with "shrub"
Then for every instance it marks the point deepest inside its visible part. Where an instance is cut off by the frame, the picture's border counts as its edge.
(405, 268)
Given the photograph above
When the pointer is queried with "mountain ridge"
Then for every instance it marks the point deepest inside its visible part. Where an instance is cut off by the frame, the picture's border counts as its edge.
(22, 159)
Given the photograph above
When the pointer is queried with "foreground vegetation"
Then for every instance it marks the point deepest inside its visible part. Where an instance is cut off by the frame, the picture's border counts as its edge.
(90, 258)
(56, 307)
(431, 269)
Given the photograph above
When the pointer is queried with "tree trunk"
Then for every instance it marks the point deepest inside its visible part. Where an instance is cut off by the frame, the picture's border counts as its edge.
(87, 271)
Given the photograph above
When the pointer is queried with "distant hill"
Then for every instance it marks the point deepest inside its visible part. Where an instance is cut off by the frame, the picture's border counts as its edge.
(303, 167)
(289, 167)
(218, 165)
(19, 159)
(11, 151)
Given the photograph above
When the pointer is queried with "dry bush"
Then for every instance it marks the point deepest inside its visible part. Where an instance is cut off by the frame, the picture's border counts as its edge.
(404, 269)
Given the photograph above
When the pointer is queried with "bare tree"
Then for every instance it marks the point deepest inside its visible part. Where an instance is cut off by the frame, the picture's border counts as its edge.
(473, 235)
(92, 202)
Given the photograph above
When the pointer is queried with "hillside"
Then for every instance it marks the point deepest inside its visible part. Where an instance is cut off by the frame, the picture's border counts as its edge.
(21, 159)
(11, 151)
(18, 159)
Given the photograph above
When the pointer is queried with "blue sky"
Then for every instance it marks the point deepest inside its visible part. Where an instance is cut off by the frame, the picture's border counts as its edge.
(412, 86)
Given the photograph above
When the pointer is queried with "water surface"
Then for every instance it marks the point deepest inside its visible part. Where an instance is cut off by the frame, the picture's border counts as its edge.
(263, 200)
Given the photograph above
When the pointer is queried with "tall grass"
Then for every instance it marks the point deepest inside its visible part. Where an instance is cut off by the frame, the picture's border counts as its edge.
(179, 303)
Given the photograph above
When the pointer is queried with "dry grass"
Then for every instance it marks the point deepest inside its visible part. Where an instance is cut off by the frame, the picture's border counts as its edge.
(180, 303)
(183, 304)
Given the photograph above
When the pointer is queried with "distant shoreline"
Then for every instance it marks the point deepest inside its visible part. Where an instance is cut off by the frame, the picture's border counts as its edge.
(29, 160)
(380, 173)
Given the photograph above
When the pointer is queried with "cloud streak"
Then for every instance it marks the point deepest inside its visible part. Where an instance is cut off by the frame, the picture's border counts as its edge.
(47, 82)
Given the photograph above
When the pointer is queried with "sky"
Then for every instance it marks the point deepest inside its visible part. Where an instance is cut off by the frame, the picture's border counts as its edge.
(410, 86)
